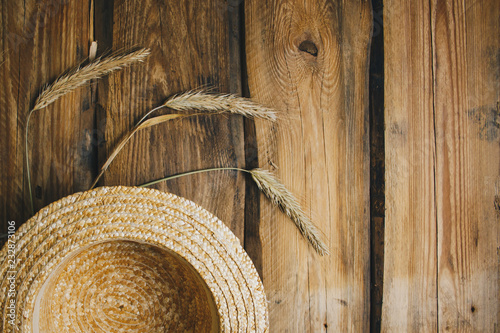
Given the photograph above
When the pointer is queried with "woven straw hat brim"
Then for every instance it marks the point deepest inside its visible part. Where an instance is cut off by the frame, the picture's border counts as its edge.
(112, 249)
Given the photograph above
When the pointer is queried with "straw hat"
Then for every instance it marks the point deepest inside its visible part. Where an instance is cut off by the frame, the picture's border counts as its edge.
(123, 259)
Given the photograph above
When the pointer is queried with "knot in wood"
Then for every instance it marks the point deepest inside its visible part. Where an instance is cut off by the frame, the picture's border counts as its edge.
(309, 47)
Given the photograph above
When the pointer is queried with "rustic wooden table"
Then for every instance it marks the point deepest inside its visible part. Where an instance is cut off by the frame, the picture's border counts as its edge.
(309, 60)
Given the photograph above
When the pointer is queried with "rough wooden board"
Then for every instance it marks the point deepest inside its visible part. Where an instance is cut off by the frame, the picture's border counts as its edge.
(466, 45)
(442, 166)
(410, 269)
(320, 151)
(40, 40)
(190, 49)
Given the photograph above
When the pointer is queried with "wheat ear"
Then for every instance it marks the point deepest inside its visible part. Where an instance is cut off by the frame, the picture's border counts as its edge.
(279, 195)
(284, 199)
(80, 76)
(202, 101)
(74, 79)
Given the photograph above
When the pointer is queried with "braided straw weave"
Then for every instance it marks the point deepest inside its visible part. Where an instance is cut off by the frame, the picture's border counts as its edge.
(124, 259)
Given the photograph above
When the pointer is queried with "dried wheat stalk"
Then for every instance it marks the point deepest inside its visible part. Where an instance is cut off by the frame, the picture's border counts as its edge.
(74, 79)
(279, 195)
(199, 101)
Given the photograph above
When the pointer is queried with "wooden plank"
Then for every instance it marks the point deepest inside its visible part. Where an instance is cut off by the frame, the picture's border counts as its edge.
(190, 49)
(442, 162)
(410, 265)
(40, 40)
(466, 44)
(310, 61)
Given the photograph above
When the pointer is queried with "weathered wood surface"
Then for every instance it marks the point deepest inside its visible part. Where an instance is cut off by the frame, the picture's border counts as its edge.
(190, 49)
(309, 60)
(409, 302)
(41, 39)
(466, 57)
(442, 166)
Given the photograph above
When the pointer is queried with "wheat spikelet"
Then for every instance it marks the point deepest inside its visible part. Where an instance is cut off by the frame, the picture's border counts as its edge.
(202, 101)
(94, 70)
(285, 200)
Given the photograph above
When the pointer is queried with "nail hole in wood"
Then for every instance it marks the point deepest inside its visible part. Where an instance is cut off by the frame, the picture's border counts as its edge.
(309, 47)
(473, 309)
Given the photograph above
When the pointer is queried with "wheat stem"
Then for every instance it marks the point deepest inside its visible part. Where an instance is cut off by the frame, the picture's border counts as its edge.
(191, 173)
(140, 125)
(28, 162)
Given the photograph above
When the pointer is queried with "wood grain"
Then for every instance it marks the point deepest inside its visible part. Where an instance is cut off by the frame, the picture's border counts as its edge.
(410, 266)
(309, 60)
(442, 166)
(466, 45)
(190, 49)
(40, 40)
